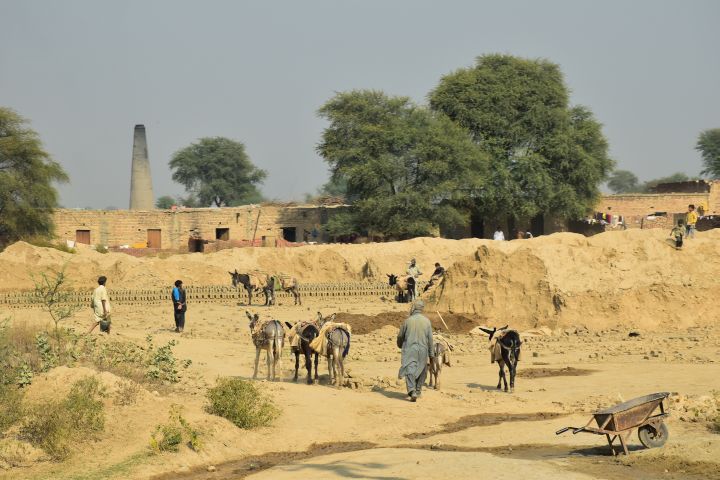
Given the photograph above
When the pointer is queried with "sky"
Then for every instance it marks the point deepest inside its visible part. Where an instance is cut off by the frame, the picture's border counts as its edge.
(84, 72)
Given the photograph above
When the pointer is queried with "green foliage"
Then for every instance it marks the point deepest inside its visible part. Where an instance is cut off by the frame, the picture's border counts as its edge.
(54, 298)
(241, 402)
(101, 249)
(165, 202)
(162, 364)
(168, 437)
(18, 353)
(623, 181)
(127, 393)
(217, 170)
(27, 174)
(547, 157)
(405, 168)
(708, 145)
(56, 425)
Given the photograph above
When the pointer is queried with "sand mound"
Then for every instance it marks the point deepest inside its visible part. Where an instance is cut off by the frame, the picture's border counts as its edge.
(635, 278)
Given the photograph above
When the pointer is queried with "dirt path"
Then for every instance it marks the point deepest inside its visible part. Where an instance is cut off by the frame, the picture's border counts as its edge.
(373, 432)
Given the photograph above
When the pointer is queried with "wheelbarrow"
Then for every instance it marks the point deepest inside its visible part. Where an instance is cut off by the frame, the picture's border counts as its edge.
(619, 421)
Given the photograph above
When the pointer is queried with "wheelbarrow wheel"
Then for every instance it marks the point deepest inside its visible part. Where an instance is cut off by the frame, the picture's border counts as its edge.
(651, 437)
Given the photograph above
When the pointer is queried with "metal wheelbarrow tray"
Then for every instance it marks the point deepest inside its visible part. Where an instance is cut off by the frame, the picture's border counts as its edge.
(619, 421)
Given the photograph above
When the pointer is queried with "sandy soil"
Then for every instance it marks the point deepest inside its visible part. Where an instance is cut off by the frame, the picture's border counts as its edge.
(578, 364)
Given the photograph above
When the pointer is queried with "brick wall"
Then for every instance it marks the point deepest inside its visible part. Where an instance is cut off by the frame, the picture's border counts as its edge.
(125, 227)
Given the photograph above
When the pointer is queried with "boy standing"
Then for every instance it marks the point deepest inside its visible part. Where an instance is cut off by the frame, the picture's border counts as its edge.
(179, 299)
(101, 307)
(677, 233)
(690, 220)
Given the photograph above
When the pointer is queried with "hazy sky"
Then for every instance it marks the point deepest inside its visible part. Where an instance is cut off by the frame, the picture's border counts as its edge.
(85, 72)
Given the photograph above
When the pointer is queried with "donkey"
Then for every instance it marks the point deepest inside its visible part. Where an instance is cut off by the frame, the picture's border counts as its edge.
(288, 284)
(405, 287)
(271, 338)
(338, 346)
(306, 334)
(506, 351)
(442, 356)
(245, 280)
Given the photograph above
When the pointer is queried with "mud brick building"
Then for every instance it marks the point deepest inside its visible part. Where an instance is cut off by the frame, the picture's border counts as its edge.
(194, 229)
(665, 205)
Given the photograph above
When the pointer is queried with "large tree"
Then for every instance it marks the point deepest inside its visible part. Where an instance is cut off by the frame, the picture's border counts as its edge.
(406, 168)
(708, 145)
(623, 181)
(547, 157)
(217, 170)
(27, 174)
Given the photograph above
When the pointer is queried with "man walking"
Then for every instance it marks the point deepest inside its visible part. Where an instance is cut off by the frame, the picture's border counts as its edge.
(691, 219)
(415, 339)
(179, 305)
(101, 307)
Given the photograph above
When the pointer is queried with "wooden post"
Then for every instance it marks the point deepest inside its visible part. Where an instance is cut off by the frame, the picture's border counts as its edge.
(257, 222)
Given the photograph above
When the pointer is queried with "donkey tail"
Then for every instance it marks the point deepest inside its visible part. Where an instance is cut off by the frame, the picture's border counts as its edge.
(347, 346)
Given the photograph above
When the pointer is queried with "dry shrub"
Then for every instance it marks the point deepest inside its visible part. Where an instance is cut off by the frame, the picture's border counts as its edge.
(241, 402)
(127, 393)
(10, 406)
(56, 425)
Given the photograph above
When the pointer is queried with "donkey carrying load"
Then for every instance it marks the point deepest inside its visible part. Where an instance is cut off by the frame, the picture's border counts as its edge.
(405, 286)
(333, 341)
(442, 349)
(505, 350)
(287, 284)
(268, 335)
(300, 336)
(254, 282)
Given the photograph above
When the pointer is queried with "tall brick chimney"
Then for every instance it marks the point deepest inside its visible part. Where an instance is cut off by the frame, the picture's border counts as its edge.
(141, 192)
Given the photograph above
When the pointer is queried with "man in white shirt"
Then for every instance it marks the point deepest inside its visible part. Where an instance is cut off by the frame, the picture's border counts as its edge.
(498, 235)
(101, 307)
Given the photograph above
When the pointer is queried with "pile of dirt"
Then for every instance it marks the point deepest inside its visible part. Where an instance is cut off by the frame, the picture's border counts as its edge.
(633, 278)
(362, 324)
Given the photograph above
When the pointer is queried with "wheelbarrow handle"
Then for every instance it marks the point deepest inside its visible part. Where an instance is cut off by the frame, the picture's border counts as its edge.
(578, 430)
(562, 430)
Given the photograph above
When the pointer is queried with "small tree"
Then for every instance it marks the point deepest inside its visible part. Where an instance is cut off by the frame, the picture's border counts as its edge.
(217, 170)
(623, 181)
(165, 202)
(54, 298)
(708, 145)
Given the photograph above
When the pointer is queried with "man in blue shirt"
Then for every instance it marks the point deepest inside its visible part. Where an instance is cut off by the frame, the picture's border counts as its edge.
(179, 305)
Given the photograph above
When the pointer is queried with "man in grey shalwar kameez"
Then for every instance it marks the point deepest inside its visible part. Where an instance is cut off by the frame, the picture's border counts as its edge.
(415, 339)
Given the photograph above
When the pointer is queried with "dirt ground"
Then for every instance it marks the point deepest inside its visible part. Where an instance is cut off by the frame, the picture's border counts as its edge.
(568, 369)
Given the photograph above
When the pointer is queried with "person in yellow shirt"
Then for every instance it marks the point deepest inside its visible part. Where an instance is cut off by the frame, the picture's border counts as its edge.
(690, 220)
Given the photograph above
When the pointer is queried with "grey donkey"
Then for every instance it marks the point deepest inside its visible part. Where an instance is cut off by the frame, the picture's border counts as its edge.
(442, 356)
(270, 338)
(338, 346)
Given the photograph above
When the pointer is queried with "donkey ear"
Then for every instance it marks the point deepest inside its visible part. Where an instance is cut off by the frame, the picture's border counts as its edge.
(332, 317)
(319, 316)
(289, 325)
(505, 327)
(489, 332)
(230, 273)
(248, 315)
(236, 271)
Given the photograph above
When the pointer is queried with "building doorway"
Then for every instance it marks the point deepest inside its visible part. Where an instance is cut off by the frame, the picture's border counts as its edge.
(289, 234)
(154, 236)
(82, 236)
(222, 234)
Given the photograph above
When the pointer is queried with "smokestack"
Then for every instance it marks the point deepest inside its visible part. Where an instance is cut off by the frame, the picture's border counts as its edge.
(141, 192)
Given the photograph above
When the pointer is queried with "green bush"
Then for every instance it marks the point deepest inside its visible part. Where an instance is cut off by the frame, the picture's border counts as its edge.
(56, 425)
(168, 437)
(241, 402)
(101, 248)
